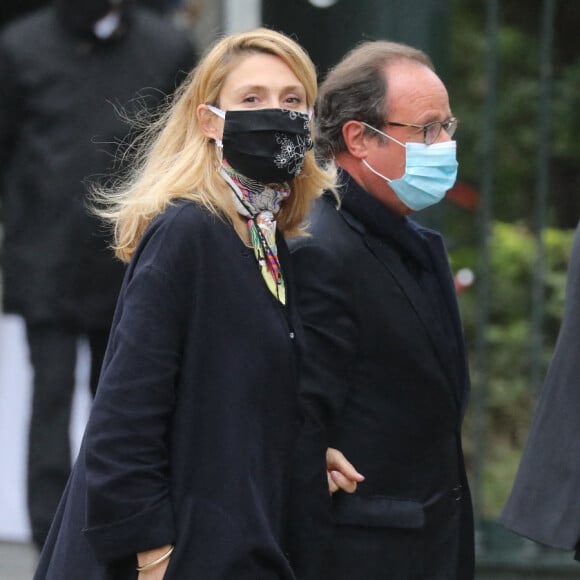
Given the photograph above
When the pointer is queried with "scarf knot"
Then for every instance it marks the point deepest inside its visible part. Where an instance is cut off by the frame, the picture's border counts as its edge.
(259, 203)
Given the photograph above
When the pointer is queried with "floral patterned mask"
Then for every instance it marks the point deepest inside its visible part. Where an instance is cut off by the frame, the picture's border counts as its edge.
(268, 145)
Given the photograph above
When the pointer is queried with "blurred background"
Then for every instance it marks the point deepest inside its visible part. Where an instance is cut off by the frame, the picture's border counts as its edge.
(513, 73)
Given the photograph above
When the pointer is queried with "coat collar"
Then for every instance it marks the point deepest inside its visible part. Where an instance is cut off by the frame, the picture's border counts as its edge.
(375, 218)
(390, 237)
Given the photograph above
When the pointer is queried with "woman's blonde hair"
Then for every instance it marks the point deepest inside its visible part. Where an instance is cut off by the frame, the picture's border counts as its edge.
(176, 160)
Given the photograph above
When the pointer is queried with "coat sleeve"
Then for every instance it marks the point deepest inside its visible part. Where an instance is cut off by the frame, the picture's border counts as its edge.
(10, 109)
(330, 338)
(325, 302)
(127, 442)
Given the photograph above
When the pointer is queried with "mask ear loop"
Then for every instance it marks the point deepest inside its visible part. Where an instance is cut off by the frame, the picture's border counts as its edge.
(216, 111)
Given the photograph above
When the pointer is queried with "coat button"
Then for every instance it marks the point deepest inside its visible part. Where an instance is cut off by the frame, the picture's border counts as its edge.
(292, 335)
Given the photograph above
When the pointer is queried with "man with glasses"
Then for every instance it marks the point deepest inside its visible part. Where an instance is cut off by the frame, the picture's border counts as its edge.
(385, 370)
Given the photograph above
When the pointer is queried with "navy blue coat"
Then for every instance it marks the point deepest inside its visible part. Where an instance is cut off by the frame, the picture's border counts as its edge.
(190, 440)
(385, 373)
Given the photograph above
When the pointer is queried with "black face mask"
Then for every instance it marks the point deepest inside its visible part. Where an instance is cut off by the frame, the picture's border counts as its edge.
(80, 16)
(268, 145)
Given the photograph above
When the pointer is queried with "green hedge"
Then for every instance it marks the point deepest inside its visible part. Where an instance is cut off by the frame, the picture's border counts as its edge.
(510, 398)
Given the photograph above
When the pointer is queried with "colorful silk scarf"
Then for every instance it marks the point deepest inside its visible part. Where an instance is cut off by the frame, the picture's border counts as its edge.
(260, 203)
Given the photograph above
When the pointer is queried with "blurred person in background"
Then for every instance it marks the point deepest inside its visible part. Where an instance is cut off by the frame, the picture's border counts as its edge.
(385, 370)
(544, 504)
(11, 9)
(187, 464)
(67, 70)
(164, 6)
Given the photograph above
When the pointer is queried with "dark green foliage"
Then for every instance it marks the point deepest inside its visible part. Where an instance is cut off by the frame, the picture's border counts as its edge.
(510, 398)
(516, 119)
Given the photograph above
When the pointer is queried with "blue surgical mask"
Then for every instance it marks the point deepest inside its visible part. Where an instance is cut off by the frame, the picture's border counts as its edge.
(430, 172)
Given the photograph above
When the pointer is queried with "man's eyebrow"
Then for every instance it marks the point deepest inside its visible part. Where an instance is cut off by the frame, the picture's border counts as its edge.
(432, 118)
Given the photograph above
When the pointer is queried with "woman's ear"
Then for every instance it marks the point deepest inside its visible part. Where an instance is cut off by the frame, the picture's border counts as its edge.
(355, 139)
(211, 125)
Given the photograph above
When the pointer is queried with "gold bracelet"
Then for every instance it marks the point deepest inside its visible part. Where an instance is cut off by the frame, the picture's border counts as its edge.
(155, 562)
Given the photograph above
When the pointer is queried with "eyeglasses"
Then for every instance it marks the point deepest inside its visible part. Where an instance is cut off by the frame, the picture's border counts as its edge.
(432, 130)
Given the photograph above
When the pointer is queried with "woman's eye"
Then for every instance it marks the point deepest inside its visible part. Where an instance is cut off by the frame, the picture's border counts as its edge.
(294, 100)
(251, 99)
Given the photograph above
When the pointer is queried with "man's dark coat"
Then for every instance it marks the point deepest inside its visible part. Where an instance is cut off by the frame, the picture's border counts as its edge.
(544, 504)
(61, 124)
(385, 371)
(191, 436)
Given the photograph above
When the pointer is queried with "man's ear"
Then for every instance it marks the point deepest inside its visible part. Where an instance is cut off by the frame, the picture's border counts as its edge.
(355, 138)
(211, 125)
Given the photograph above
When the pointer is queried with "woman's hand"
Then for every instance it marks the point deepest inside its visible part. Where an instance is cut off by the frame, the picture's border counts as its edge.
(156, 572)
(340, 472)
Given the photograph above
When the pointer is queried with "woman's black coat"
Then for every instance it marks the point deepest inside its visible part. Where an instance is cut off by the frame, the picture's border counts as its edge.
(544, 504)
(192, 431)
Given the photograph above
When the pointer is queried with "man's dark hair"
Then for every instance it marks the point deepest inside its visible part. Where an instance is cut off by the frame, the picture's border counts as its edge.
(356, 89)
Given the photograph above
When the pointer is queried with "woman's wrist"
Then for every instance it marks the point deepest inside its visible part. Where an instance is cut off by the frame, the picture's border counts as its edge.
(152, 558)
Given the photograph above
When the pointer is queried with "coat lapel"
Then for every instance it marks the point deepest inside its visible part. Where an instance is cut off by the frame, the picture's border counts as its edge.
(358, 209)
(443, 272)
(390, 260)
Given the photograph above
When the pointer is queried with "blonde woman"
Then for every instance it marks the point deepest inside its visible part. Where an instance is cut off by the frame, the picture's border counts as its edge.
(186, 464)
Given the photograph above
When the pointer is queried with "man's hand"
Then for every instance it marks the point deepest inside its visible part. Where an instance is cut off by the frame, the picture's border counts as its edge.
(340, 472)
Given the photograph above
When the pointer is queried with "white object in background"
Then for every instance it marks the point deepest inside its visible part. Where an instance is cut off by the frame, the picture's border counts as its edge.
(242, 15)
(15, 398)
(322, 3)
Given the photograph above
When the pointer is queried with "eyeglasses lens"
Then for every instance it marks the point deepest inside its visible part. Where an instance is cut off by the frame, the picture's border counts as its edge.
(433, 130)
(451, 126)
